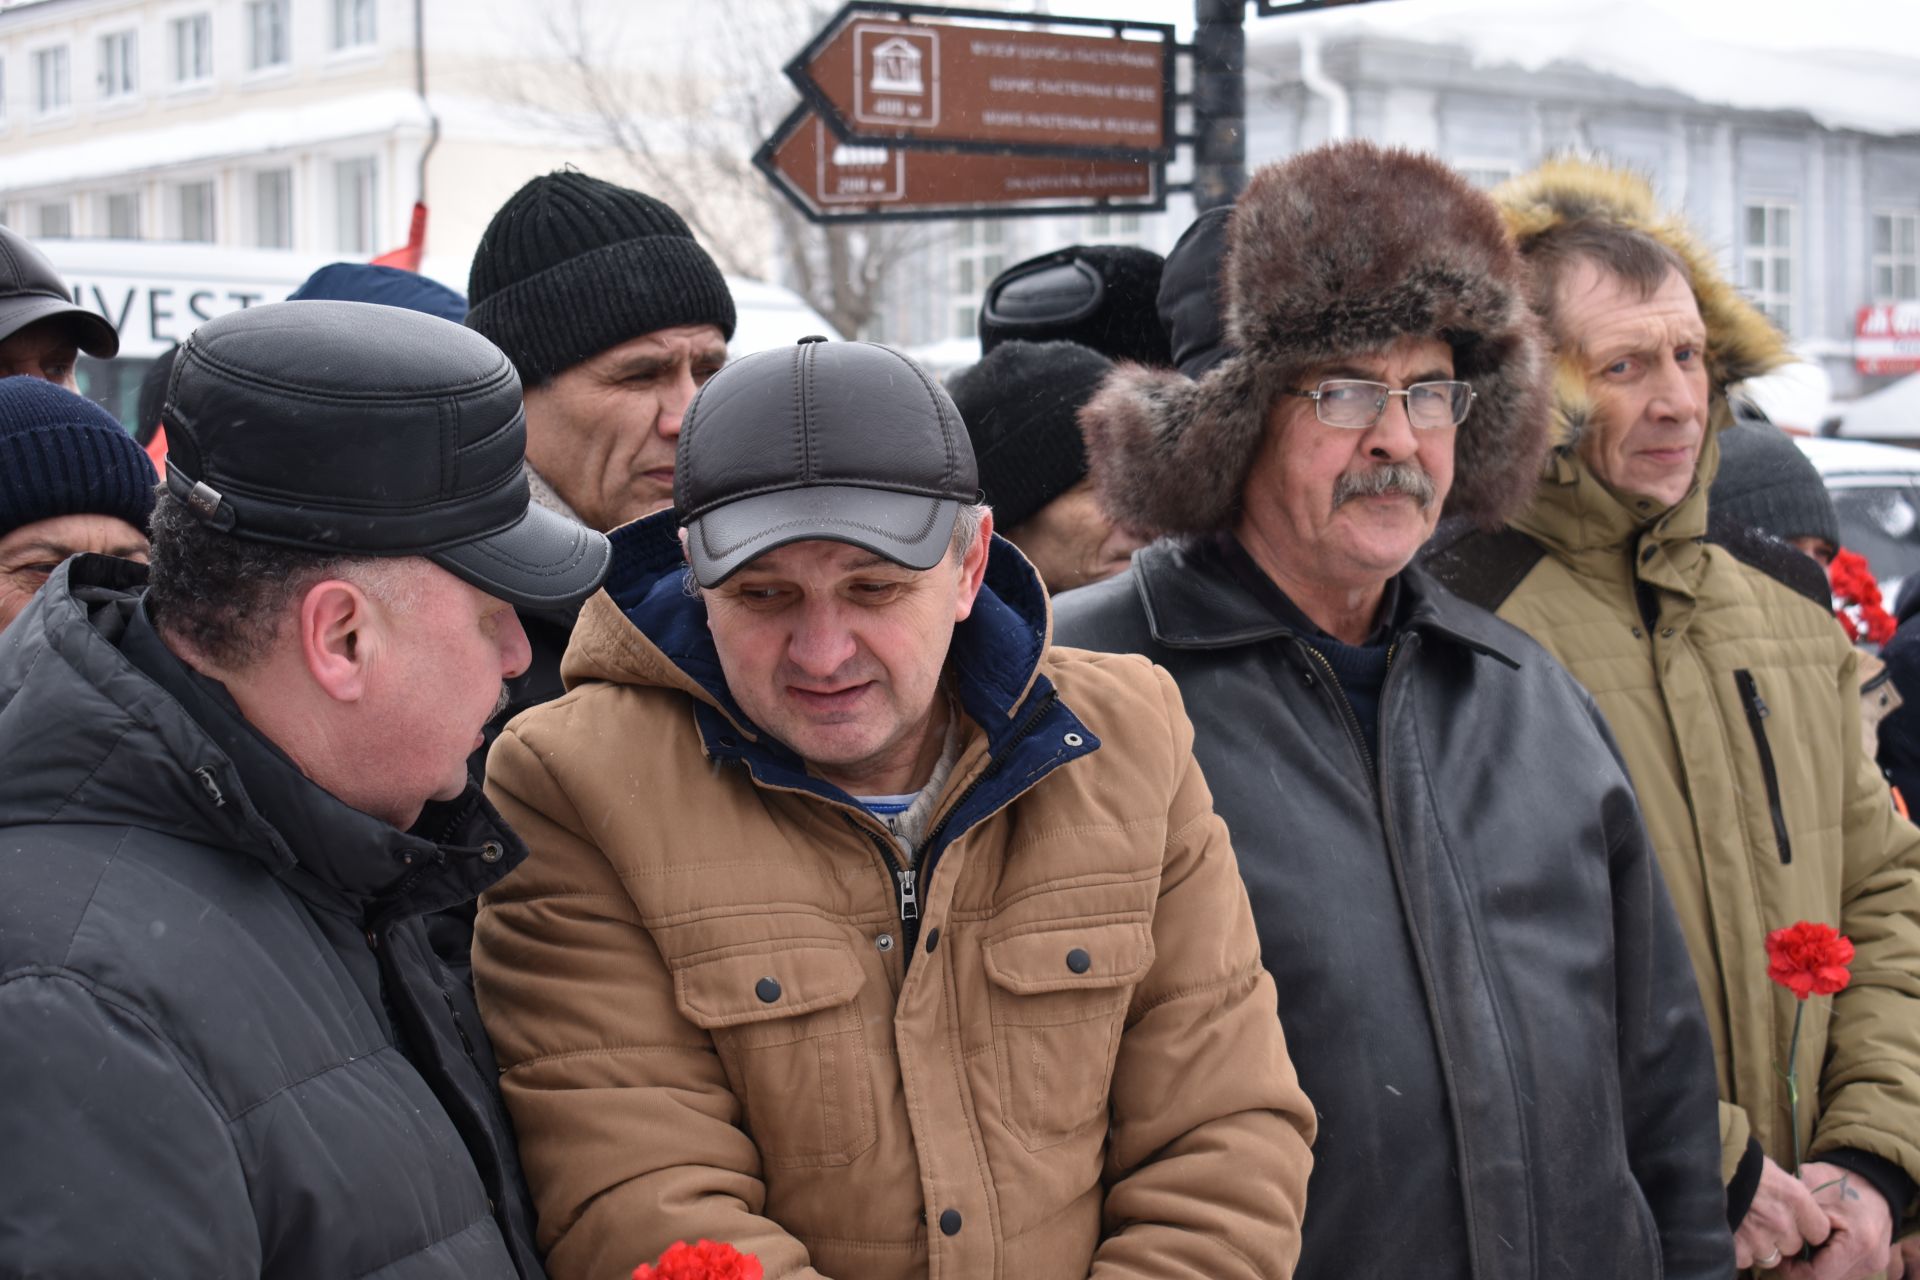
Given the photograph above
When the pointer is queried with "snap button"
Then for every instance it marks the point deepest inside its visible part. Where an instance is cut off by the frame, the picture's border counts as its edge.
(1073, 739)
(815, 337)
(726, 740)
(767, 989)
(950, 1222)
(1636, 633)
(1078, 960)
(491, 851)
(884, 942)
(933, 940)
(1666, 631)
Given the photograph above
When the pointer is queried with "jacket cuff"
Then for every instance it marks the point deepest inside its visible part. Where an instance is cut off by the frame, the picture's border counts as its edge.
(1884, 1176)
(1745, 1183)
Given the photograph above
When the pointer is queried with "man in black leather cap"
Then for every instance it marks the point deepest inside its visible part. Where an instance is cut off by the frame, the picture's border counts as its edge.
(1480, 973)
(229, 799)
(42, 331)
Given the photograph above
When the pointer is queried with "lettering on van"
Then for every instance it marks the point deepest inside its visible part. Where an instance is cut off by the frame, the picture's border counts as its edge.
(152, 317)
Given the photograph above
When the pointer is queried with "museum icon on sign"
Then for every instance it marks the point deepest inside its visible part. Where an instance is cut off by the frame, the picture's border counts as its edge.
(896, 75)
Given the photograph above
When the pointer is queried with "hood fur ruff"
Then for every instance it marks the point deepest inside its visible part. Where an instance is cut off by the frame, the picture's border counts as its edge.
(1338, 251)
(1741, 342)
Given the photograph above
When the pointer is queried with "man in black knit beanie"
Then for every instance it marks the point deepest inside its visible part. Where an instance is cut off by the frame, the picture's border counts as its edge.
(614, 316)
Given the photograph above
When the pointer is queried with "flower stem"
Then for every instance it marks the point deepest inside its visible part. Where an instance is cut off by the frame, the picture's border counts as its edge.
(1793, 1080)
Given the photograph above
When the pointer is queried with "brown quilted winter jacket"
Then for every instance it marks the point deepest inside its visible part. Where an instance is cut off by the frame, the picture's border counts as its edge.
(700, 992)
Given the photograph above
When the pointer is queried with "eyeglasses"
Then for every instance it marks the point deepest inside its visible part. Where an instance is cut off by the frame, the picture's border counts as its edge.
(1356, 405)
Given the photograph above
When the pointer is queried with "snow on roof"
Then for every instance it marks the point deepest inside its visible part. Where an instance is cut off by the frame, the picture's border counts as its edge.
(1761, 55)
(241, 133)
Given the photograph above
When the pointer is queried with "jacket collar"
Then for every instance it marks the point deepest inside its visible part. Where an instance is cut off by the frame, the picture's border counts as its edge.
(1194, 600)
(147, 741)
(995, 664)
(1573, 512)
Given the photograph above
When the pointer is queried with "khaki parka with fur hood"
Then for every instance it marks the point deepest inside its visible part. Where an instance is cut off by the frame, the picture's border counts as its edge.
(716, 1019)
(1735, 700)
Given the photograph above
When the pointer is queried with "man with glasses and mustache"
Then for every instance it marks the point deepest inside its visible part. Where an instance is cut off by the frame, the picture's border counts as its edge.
(1482, 981)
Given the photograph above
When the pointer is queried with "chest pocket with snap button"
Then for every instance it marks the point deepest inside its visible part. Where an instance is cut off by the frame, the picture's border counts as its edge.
(785, 1019)
(1059, 1001)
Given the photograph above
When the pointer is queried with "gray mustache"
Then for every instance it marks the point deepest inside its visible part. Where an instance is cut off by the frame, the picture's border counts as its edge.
(1393, 477)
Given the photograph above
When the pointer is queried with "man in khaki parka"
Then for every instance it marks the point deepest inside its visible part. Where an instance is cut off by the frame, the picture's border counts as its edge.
(1735, 699)
(862, 931)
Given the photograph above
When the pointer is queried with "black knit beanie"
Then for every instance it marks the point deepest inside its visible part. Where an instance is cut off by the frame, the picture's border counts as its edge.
(63, 455)
(1766, 483)
(571, 266)
(1020, 406)
(1100, 296)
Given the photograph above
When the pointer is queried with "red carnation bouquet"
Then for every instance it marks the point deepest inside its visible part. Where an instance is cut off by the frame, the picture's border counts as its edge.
(706, 1260)
(1856, 599)
(1809, 960)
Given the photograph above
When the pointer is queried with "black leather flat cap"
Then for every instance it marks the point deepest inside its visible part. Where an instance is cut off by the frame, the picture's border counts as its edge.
(843, 441)
(358, 429)
(31, 290)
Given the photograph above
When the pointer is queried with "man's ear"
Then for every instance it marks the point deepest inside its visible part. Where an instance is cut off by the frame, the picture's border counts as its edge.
(973, 568)
(337, 633)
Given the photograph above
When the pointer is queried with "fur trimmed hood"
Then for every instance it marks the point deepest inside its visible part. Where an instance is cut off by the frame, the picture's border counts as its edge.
(1741, 342)
(1340, 250)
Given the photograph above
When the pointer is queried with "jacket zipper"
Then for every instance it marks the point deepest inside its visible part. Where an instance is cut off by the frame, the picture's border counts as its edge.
(1345, 707)
(906, 878)
(1757, 714)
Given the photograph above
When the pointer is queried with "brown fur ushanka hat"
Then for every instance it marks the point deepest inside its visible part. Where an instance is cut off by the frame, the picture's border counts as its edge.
(1337, 251)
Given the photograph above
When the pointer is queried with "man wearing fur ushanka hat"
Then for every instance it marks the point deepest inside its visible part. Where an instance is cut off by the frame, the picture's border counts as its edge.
(1735, 702)
(1481, 979)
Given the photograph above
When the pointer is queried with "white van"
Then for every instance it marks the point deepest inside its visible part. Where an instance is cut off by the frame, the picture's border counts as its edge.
(156, 292)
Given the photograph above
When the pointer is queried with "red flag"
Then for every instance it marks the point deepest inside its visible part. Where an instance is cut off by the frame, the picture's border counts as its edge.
(407, 256)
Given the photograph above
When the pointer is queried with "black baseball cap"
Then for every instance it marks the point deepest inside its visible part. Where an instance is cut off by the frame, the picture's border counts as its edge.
(31, 290)
(358, 429)
(845, 441)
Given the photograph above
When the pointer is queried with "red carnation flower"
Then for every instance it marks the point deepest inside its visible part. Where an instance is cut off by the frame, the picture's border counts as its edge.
(1856, 597)
(707, 1260)
(1809, 959)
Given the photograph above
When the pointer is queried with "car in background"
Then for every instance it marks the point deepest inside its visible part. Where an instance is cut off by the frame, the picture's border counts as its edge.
(1876, 495)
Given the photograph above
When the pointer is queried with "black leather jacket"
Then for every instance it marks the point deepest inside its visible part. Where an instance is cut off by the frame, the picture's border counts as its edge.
(226, 1048)
(1481, 979)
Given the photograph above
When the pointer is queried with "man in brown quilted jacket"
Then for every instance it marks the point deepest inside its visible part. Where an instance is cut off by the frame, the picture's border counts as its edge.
(938, 963)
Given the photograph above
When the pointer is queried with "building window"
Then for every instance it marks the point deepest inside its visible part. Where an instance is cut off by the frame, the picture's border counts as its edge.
(1896, 257)
(193, 211)
(119, 64)
(356, 204)
(123, 215)
(353, 24)
(979, 254)
(51, 91)
(266, 34)
(193, 48)
(1768, 257)
(273, 209)
(54, 220)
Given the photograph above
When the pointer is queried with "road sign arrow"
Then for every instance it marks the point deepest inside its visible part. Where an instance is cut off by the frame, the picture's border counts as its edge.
(835, 181)
(912, 76)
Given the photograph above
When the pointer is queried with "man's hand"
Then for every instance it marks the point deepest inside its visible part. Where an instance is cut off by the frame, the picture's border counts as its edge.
(1782, 1220)
(1860, 1244)
(1904, 1264)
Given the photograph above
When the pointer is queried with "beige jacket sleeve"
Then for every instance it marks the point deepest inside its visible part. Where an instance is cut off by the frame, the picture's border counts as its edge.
(1870, 1085)
(1209, 1156)
(597, 1061)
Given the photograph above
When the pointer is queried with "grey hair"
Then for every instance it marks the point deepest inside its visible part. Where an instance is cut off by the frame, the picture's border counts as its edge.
(228, 597)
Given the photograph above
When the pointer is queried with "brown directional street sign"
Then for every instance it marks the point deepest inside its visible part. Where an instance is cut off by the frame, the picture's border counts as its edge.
(959, 79)
(836, 181)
